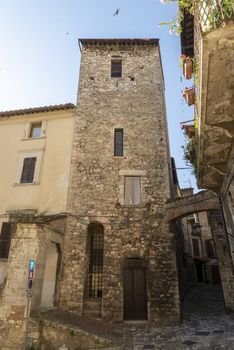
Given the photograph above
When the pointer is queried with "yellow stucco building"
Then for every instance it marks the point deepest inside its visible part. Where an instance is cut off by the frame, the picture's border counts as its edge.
(35, 156)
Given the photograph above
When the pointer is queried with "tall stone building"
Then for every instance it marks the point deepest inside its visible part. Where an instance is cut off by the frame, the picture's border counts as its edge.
(119, 257)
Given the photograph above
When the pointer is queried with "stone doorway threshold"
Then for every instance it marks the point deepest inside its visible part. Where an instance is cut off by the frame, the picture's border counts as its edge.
(136, 322)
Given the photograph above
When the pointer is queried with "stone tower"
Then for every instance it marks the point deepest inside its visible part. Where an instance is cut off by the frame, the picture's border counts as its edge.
(119, 259)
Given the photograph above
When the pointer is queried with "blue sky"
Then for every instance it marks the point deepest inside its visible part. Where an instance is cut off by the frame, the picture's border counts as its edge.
(39, 54)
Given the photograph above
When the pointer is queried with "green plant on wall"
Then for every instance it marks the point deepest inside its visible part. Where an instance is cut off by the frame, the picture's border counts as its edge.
(196, 71)
(220, 12)
(190, 153)
(175, 25)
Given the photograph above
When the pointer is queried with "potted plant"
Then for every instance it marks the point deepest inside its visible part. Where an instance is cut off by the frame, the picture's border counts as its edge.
(188, 67)
(189, 130)
(189, 96)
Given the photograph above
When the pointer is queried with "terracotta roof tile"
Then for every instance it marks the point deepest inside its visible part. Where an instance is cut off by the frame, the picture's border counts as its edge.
(37, 110)
(151, 42)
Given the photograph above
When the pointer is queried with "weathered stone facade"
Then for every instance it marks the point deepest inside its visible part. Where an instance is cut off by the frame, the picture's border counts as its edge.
(30, 239)
(133, 235)
(227, 197)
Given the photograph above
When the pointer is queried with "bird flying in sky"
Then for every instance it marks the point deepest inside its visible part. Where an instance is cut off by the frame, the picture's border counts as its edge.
(116, 12)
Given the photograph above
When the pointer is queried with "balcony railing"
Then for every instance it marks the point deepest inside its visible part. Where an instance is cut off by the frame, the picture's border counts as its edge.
(214, 13)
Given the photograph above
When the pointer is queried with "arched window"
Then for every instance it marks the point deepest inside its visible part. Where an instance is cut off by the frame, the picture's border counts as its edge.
(96, 242)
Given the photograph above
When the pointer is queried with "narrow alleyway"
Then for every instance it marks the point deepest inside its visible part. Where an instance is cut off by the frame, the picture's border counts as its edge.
(204, 326)
(203, 303)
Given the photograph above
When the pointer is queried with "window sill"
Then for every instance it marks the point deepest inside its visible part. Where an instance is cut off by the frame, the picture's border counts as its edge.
(26, 183)
(139, 206)
(33, 138)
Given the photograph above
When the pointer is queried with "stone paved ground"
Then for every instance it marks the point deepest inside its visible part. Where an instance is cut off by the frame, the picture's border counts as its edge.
(204, 326)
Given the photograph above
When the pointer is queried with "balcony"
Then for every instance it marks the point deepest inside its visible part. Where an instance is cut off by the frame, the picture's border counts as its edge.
(214, 86)
(213, 14)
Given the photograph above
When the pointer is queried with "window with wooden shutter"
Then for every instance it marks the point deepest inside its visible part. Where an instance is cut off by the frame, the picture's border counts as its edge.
(132, 190)
(116, 68)
(196, 247)
(118, 143)
(27, 175)
(5, 240)
(210, 248)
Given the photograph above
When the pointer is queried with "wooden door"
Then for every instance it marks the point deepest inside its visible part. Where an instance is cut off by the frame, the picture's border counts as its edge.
(135, 297)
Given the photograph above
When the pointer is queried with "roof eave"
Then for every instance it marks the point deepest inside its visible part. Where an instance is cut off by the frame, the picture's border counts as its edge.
(44, 109)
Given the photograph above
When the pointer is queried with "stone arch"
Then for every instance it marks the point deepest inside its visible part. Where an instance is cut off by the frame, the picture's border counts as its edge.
(95, 226)
(181, 207)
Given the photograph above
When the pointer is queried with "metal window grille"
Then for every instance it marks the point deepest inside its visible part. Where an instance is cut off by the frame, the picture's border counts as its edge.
(95, 264)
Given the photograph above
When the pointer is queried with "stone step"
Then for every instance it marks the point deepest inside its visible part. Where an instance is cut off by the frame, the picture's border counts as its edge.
(92, 308)
(92, 303)
(92, 314)
(114, 347)
(109, 348)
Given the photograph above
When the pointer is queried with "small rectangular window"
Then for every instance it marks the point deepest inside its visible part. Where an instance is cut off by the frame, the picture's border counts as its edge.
(5, 240)
(35, 130)
(132, 190)
(27, 175)
(116, 68)
(118, 143)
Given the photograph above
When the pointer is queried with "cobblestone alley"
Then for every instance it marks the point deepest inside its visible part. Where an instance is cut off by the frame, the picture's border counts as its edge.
(204, 326)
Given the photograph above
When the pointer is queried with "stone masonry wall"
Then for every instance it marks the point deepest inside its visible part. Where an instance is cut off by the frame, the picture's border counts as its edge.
(26, 244)
(224, 263)
(227, 199)
(29, 241)
(134, 102)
